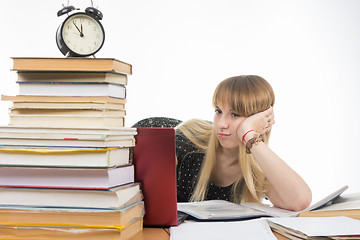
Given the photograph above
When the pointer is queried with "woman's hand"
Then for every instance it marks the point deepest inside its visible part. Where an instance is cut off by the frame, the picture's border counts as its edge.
(260, 122)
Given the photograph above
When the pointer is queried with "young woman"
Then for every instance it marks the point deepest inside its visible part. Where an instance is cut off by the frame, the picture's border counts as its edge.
(229, 159)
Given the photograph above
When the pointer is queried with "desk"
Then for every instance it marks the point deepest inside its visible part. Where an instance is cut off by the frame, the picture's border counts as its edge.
(152, 234)
(164, 234)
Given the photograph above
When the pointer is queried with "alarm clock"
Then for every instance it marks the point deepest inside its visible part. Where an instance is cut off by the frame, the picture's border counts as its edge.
(81, 34)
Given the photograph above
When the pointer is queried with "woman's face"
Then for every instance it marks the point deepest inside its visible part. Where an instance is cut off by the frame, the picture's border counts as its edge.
(226, 123)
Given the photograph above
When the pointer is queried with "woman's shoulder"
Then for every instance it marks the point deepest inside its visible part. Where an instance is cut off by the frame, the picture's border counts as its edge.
(185, 146)
(194, 132)
(182, 140)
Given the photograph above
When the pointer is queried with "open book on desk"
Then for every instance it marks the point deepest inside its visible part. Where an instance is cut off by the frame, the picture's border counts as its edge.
(349, 201)
(346, 205)
(213, 210)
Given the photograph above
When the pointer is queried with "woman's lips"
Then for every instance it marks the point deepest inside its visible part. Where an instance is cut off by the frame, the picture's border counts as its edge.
(223, 135)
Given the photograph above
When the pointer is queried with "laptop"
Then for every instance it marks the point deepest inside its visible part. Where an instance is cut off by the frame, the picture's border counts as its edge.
(154, 157)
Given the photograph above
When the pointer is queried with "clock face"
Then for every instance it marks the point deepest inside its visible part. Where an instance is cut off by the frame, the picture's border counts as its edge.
(82, 34)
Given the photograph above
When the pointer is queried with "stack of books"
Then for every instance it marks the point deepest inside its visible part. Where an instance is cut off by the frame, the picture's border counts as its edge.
(69, 92)
(66, 168)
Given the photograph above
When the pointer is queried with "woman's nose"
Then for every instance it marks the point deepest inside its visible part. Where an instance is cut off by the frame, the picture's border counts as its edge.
(224, 122)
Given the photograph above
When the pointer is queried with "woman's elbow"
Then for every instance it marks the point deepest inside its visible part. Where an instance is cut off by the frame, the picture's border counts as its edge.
(303, 201)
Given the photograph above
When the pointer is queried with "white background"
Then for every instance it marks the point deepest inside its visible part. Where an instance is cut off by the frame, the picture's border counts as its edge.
(180, 50)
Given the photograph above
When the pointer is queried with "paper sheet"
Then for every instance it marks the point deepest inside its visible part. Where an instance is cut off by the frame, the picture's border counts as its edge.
(321, 226)
(252, 229)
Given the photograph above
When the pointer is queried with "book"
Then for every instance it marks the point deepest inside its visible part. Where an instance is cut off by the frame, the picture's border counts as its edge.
(64, 136)
(63, 99)
(277, 212)
(74, 233)
(70, 64)
(224, 210)
(352, 213)
(62, 102)
(114, 198)
(345, 201)
(76, 217)
(315, 227)
(68, 105)
(68, 142)
(67, 136)
(68, 112)
(66, 121)
(72, 89)
(64, 157)
(95, 77)
(154, 157)
(126, 131)
(77, 178)
(347, 205)
(215, 210)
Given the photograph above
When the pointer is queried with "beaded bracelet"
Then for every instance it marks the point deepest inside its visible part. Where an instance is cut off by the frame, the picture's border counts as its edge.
(251, 142)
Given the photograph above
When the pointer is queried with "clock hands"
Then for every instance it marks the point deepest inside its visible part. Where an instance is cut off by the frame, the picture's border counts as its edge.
(80, 31)
(76, 26)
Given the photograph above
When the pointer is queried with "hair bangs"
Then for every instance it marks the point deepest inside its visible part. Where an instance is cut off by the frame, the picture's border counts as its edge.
(245, 95)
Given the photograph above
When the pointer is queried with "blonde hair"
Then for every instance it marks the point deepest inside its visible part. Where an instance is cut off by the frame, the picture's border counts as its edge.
(245, 95)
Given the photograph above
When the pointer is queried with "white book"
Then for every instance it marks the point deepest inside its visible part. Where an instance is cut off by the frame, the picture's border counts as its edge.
(218, 210)
(44, 76)
(41, 135)
(344, 202)
(67, 136)
(66, 121)
(75, 178)
(67, 112)
(114, 198)
(278, 212)
(78, 142)
(225, 210)
(67, 105)
(69, 130)
(64, 157)
(72, 89)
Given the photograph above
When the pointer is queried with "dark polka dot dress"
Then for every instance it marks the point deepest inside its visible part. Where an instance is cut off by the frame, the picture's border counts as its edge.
(190, 159)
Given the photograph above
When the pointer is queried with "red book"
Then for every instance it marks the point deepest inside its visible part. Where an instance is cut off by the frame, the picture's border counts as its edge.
(155, 163)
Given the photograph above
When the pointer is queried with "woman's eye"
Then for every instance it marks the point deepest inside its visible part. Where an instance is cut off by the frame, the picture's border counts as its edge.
(218, 111)
(235, 115)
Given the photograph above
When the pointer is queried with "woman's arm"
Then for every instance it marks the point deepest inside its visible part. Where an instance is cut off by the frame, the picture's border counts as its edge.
(288, 189)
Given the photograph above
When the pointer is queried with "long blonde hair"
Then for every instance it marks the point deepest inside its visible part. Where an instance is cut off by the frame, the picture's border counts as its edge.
(245, 95)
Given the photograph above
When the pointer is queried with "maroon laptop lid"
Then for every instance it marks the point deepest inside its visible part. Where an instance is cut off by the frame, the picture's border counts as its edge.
(154, 158)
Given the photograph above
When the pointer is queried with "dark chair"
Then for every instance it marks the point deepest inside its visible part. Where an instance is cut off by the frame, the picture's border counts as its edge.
(162, 122)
